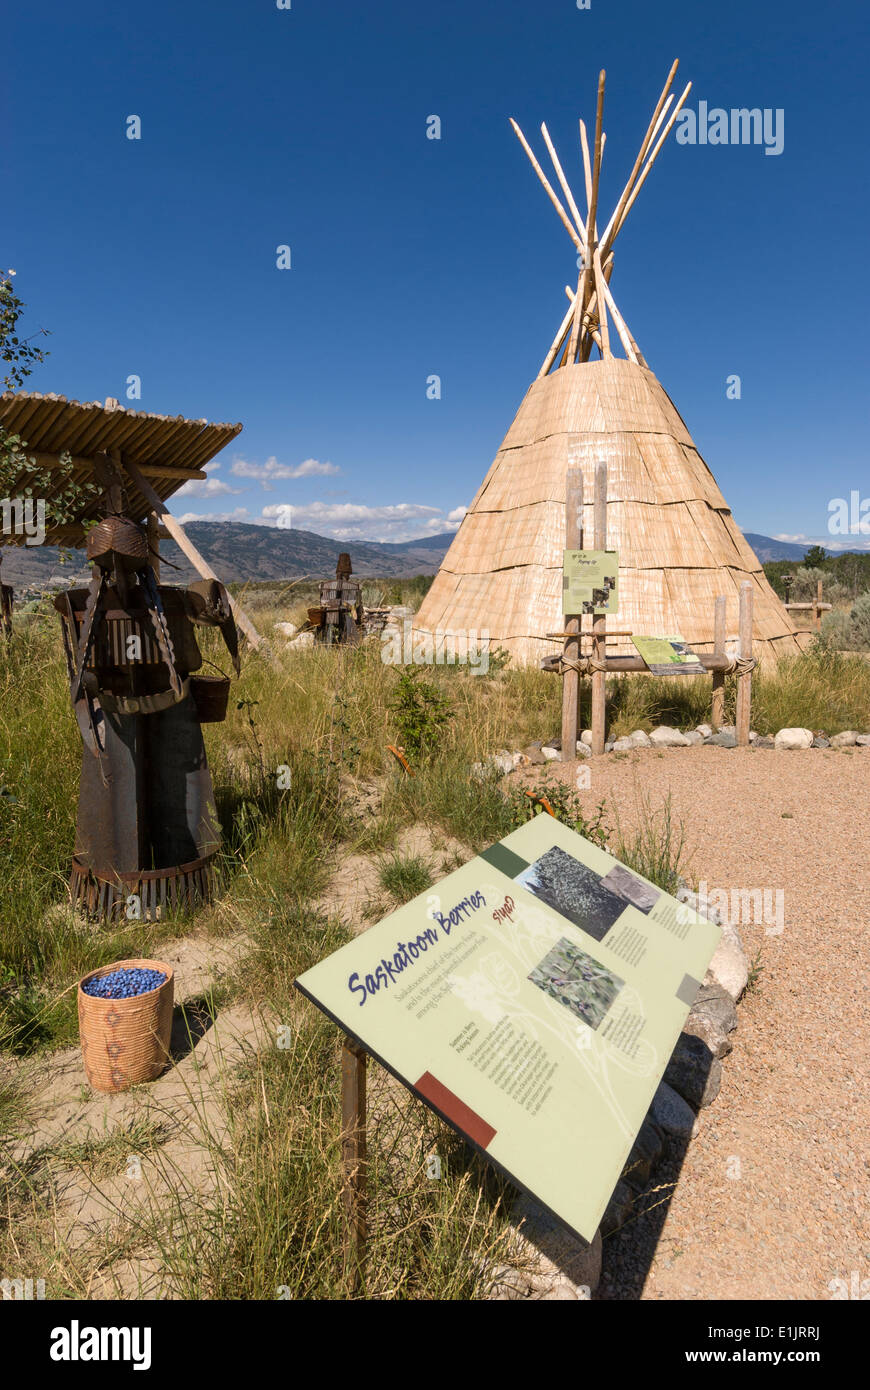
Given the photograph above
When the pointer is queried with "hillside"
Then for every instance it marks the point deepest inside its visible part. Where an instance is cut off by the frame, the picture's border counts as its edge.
(239, 551)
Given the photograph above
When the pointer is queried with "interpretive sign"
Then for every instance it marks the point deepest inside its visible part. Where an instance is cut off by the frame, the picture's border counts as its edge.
(668, 656)
(590, 581)
(532, 999)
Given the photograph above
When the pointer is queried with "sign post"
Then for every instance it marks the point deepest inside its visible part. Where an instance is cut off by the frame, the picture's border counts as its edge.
(354, 1162)
(532, 999)
(571, 678)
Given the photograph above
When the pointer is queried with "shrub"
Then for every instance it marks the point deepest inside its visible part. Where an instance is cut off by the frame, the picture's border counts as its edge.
(420, 711)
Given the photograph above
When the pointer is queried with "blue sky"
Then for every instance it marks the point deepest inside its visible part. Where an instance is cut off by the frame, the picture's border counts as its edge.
(306, 127)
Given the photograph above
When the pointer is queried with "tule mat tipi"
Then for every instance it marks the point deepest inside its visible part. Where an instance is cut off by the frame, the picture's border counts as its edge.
(678, 544)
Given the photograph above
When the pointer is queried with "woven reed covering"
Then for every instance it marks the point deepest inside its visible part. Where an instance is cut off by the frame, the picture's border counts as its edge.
(678, 544)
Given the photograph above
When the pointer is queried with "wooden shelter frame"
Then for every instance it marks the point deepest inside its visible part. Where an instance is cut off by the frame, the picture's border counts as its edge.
(130, 475)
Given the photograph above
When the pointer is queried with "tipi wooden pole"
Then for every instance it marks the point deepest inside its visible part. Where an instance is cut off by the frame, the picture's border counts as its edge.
(178, 534)
(744, 678)
(645, 144)
(599, 622)
(591, 229)
(571, 679)
(602, 306)
(574, 235)
(353, 1162)
(717, 717)
(566, 187)
(607, 241)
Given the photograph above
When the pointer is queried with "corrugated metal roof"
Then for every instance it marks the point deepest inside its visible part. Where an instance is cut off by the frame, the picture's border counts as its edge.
(171, 450)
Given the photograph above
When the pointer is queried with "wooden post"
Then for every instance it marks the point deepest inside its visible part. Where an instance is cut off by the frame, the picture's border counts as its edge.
(744, 679)
(185, 544)
(717, 716)
(152, 526)
(353, 1162)
(599, 621)
(571, 679)
(818, 605)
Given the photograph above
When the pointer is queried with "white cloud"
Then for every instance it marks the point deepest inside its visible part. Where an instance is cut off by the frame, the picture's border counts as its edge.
(239, 514)
(457, 514)
(272, 471)
(799, 538)
(207, 487)
(354, 521)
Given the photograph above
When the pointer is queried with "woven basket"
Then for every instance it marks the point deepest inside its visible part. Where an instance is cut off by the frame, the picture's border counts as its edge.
(126, 1041)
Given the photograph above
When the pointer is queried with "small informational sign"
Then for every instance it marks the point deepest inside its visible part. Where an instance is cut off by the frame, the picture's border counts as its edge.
(590, 581)
(533, 999)
(668, 656)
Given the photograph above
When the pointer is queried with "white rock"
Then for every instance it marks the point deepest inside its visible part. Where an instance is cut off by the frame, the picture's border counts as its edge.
(753, 736)
(694, 737)
(663, 737)
(729, 967)
(624, 745)
(286, 629)
(863, 740)
(794, 738)
(705, 730)
(700, 903)
(671, 1113)
(553, 1264)
(518, 759)
(586, 737)
(640, 738)
(305, 639)
(847, 739)
(503, 760)
(584, 750)
(551, 754)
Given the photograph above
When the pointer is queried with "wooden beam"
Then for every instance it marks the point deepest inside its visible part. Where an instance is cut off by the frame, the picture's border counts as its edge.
(744, 678)
(717, 714)
(599, 621)
(177, 532)
(149, 470)
(571, 679)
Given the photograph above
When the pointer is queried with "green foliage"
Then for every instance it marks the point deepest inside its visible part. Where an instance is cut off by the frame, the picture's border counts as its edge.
(404, 876)
(844, 576)
(656, 847)
(565, 805)
(814, 556)
(420, 712)
(860, 622)
(18, 354)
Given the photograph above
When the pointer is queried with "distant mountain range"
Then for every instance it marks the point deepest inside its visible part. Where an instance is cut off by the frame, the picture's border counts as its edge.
(766, 548)
(240, 551)
(243, 552)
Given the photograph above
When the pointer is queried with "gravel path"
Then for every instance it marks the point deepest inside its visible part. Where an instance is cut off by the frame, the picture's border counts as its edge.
(771, 1197)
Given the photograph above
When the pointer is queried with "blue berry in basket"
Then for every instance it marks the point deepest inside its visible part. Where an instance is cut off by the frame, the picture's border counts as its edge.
(126, 982)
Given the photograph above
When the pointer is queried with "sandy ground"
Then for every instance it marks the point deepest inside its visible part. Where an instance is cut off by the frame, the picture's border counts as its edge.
(771, 1197)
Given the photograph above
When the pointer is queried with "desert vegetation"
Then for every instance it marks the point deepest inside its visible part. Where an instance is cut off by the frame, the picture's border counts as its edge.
(270, 1217)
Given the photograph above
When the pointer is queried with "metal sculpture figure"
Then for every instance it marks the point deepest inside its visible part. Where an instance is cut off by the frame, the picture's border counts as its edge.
(147, 832)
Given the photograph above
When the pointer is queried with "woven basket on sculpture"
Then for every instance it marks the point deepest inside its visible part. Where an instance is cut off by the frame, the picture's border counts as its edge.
(126, 1041)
